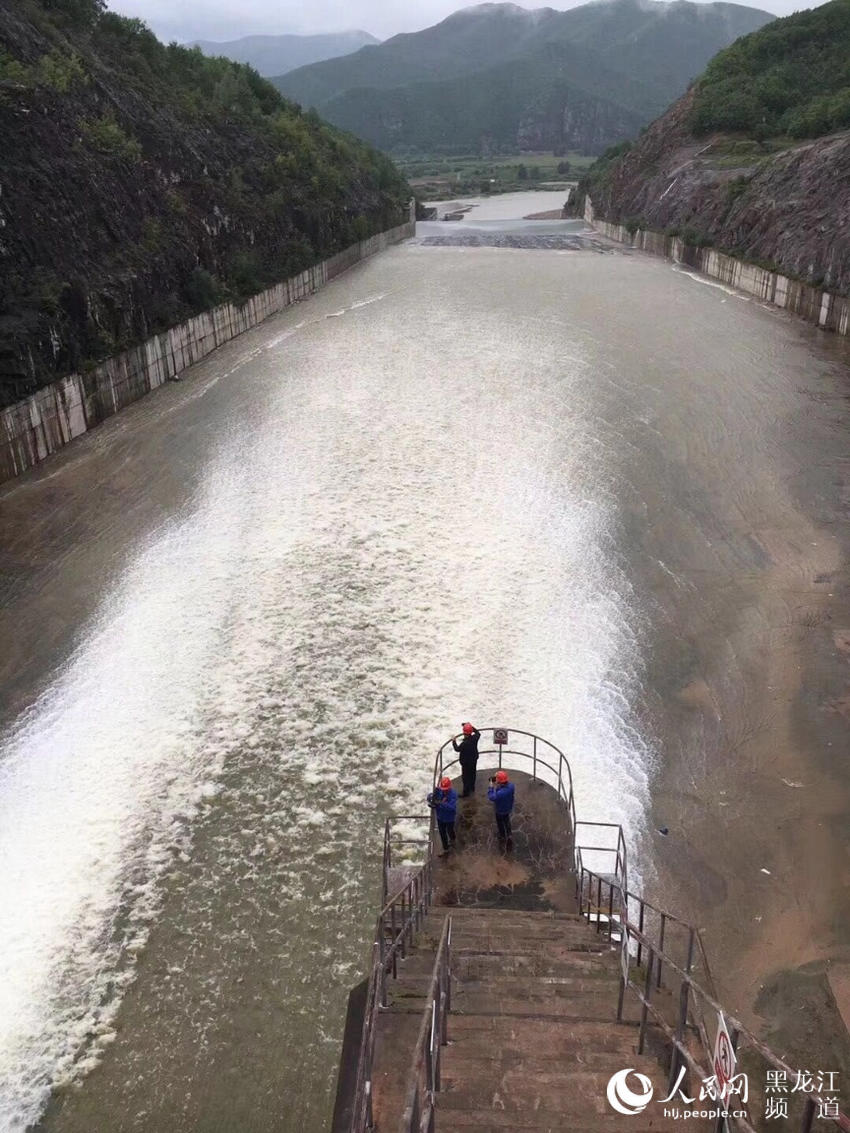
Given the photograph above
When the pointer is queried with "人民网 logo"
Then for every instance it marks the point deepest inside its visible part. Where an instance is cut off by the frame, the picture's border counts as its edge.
(623, 1098)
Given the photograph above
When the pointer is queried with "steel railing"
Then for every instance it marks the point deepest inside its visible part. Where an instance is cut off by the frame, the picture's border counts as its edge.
(651, 943)
(539, 756)
(401, 916)
(424, 1078)
(543, 756)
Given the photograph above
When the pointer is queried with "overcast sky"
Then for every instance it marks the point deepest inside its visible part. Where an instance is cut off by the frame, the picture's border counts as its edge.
(222, 20)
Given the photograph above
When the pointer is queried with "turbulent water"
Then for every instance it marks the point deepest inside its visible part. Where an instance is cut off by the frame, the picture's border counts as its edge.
(408, 502)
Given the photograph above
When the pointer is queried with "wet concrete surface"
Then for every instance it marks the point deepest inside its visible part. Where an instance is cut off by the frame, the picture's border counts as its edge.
(532, 874)
(581, 492)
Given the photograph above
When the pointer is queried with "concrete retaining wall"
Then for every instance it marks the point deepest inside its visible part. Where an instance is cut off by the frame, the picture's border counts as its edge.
(41, 424)
(829, 311)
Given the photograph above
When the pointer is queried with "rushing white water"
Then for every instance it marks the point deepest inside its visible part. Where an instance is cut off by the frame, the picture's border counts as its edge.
(405, 510)
(475, 572)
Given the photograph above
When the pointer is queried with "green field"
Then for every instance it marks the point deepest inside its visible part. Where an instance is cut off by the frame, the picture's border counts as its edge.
(438, 175)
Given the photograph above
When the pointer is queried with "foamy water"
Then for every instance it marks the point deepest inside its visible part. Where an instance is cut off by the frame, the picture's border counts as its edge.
(391, 538)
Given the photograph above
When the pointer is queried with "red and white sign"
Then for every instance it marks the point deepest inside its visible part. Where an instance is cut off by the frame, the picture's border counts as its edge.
(724, 1057)
(500, 736)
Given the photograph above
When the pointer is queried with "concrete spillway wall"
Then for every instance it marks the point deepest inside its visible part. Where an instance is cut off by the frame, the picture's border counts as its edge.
(826, 310)
(49, 419)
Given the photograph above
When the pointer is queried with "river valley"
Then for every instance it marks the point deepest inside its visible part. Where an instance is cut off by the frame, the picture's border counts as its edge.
(566, 488)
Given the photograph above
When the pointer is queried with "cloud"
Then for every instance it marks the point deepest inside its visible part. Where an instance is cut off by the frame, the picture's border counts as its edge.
(218, 19)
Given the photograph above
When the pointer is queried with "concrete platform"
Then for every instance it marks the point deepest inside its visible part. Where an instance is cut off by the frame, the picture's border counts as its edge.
(534, 875)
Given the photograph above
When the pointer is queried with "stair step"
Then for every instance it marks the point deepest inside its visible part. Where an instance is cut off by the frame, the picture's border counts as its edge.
(461, 1062)
(555, 1123)
(476, 912)
(581, 1005)
(549, 986)
(535, 930)
(533, 987)
(554, 949)
(552, 1092)
(538, 1037)
(469, 964)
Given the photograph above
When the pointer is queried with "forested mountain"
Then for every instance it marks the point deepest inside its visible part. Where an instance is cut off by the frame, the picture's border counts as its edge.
(751, 160)
(792, 77)
(497, 76)
(277, 54)
(142, 183)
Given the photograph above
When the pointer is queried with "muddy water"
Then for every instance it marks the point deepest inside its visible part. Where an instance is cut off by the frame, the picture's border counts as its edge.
(569, 490)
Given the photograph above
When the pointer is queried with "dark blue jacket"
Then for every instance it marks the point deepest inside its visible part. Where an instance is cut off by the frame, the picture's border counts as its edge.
(445, 803)
(468, 749)
(502, 798)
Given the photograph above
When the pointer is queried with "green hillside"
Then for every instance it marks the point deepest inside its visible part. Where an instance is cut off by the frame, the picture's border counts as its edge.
(791, 77)
(463, 43)
(142, 183)
(517, 104)
(499, 76)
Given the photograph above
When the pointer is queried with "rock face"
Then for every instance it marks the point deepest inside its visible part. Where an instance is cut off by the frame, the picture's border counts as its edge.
(788, 209)
(140, 184)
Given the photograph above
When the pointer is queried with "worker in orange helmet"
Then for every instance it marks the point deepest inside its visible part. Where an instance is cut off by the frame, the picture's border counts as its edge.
(467, 751)
(443, 800)
(501, 795)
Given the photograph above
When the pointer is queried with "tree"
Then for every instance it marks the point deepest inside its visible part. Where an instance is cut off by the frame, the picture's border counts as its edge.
(521, 173)
(81, 12)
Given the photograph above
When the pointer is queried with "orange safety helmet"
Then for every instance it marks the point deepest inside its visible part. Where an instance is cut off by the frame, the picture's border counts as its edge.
(468, 729)
(445, 784)
(501, 776)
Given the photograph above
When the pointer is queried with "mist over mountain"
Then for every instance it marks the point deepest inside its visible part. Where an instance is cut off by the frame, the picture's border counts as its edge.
(754, 160)
(501, 77)
(278, 54)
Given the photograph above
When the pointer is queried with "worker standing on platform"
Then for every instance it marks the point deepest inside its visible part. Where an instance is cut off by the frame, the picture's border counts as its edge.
(468, 753)
(443, 800)
(501, 795)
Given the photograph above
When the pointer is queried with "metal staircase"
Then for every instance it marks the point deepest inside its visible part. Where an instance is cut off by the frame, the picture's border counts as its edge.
(515, 993)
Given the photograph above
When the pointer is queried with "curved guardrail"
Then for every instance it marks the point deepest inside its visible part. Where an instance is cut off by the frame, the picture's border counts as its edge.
(525, 751)
(650, 943)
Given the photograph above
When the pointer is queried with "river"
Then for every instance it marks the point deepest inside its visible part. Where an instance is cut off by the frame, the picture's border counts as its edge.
(573, 490)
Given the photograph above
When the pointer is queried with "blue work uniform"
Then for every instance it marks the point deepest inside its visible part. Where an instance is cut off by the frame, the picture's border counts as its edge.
(502, 798)
(445, 806)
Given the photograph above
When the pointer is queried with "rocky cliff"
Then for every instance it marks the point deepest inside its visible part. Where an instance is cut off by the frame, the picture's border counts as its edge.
(756, 193)
(788, 209)
(141, 183)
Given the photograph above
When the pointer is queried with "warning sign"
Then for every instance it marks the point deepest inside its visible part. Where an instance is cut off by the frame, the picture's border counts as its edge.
(500, 736)
(724, 1057)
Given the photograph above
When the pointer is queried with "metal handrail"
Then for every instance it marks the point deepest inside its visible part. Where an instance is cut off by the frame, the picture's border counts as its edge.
(424, 1078)
(402, 915)
(693, 1000)
(563, 784)
(650, 941)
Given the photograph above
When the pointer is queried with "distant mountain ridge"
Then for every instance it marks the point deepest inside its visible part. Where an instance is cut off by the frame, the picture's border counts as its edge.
(497, 76)
(278, 54)
(754, 159)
